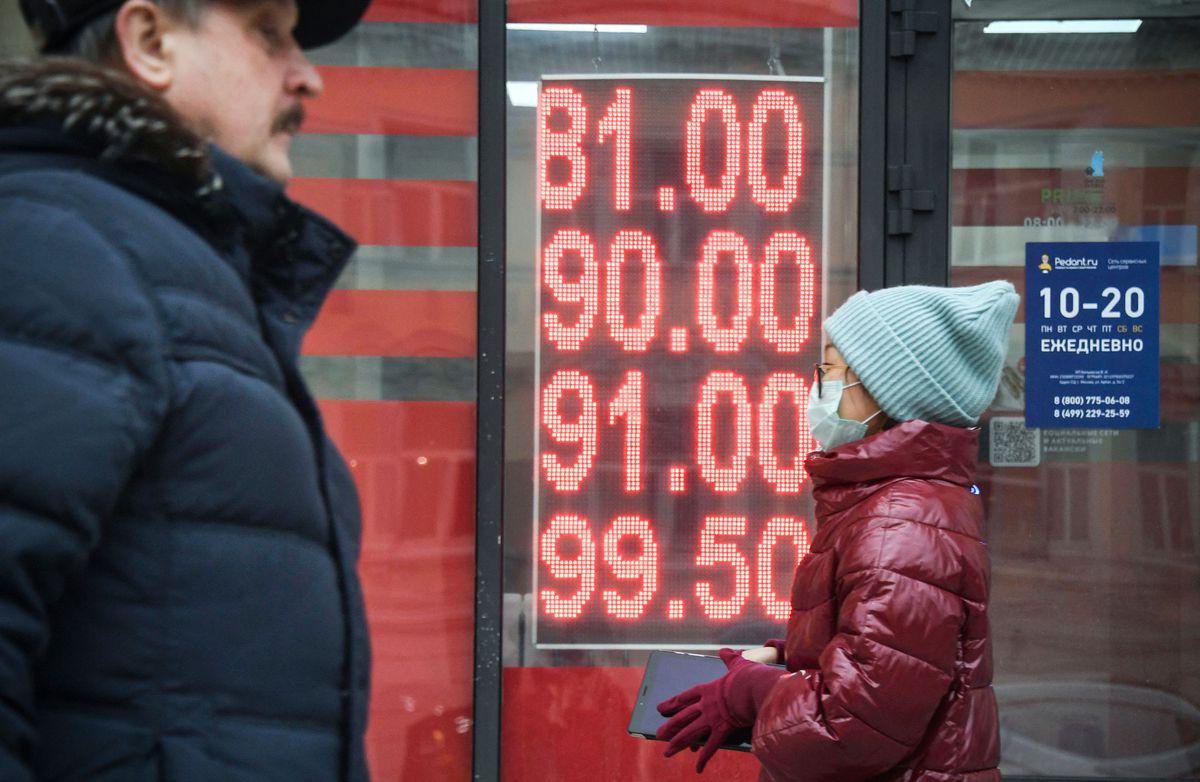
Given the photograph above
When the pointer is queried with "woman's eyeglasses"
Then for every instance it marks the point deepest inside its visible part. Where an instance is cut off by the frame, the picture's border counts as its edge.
(821, 369)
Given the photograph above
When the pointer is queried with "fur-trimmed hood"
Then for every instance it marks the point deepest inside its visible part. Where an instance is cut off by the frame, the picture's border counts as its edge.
(66, 114)
(108, 114)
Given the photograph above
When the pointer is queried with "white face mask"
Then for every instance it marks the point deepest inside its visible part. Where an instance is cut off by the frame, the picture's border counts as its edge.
(827, 427)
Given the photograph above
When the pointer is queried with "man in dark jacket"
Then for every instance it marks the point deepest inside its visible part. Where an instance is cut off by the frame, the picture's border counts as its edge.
(178, 537)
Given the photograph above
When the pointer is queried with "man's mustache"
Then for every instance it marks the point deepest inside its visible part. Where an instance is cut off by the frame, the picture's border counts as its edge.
(289, 121)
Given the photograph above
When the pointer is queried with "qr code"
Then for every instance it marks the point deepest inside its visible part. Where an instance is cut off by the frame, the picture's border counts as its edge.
(1010, 444)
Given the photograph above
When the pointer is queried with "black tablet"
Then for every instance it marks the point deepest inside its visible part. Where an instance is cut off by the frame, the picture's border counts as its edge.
(667, 674)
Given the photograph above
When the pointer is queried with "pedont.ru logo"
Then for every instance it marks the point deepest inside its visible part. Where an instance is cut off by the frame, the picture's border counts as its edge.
(1076, 263)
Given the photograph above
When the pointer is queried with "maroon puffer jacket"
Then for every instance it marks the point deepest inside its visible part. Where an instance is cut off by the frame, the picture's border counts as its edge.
(888, 638)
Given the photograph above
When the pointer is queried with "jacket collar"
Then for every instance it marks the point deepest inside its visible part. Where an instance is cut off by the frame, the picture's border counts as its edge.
(292, 254)
(842, 476)
(72, 114)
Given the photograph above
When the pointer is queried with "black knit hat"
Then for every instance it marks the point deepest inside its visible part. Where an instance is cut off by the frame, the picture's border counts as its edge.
(55, 21)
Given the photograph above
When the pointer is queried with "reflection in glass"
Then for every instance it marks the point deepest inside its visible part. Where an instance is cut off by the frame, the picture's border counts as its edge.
(1085, 136)
(616, 565)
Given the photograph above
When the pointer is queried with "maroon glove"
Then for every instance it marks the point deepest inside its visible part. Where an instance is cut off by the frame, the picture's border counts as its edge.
(709, 713)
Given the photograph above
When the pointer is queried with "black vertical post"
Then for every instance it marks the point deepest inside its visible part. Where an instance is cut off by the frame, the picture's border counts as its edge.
(872, 143)
(904, 160)
(489, 419)
(925, 167)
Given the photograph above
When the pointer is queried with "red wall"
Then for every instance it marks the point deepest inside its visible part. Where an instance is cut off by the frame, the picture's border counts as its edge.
(413, 458)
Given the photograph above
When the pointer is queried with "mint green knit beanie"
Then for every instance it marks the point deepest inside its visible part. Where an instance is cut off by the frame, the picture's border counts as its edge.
(933, 354)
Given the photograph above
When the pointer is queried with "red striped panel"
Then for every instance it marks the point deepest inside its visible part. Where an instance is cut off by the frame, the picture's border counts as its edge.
(1142, 196)
(411, 212)
(447, 11)
(1179, 288)
(1076, 99)
(395, 323)
(691, 13)
(398, 101)
(420, 608)
(589, 708)
(403, 497)
(414, 464)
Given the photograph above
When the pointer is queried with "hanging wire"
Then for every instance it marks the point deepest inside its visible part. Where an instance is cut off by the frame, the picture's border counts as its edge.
(774, 63)
(597, 60)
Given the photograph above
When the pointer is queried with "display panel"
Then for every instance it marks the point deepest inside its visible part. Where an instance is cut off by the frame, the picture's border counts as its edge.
(678, 273)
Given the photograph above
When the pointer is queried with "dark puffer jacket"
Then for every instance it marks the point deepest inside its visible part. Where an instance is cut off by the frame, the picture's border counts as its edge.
(178, 598)
(888, 637)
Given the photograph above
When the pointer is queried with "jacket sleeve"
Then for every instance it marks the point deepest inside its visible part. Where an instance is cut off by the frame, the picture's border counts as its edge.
(882, 675)
(81, 396)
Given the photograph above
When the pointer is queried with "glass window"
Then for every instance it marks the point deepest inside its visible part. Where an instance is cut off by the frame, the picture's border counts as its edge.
(1079, 122)
(389, 153)
(681, 213)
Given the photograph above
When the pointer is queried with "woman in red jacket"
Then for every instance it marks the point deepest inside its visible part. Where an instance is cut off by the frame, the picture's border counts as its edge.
(888, 654)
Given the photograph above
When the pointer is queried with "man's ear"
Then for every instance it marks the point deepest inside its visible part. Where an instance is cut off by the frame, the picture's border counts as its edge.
(141, 29)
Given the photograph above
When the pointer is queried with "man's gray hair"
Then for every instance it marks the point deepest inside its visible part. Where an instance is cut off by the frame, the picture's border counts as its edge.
(97, 40)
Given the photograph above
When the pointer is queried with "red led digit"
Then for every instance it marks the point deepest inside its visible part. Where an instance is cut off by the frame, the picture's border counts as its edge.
(713, 199)
(565, 144)
(642, 567)
(585, 291)
(581, 431)
(775, 199)
(724, 479)
(713, 553)
(616, 123)
(666, 199)
(629, 404)
(613, 357)
(790, 338)
(581, 567)
(678, 340)
(786, 479)
(633, 339)
(778, 528)
(725, 339)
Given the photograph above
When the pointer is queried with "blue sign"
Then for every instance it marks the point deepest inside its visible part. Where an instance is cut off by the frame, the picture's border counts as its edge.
(1091, 335)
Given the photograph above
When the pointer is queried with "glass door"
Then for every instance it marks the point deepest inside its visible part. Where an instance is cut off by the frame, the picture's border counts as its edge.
(681, 206)
(1076, 141)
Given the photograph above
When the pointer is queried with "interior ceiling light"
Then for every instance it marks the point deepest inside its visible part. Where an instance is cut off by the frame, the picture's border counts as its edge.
(1065, 26)
(580, 28)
